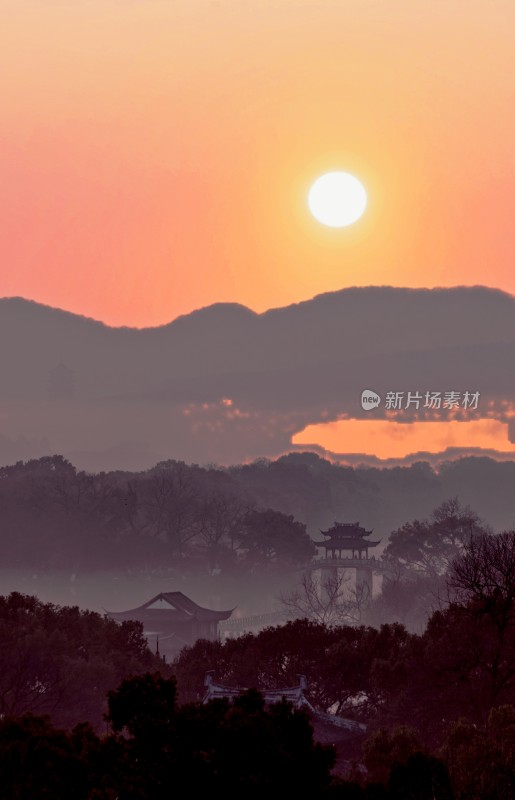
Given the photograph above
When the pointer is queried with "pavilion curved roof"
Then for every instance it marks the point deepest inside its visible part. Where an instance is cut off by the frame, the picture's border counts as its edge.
(294, 694)
(346, 530)
(347, 543)
(174, 606)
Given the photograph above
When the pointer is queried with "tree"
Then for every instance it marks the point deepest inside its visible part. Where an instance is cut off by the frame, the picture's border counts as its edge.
(422, 777)
(271, 659)
(484, 576)
(481, 761)
(429, 547)
(330, 601)
(270, 538)
(419, 556)
(62, 661)
(170, 502)
(143, 705)
(409, 601)
(36, 760)
(351, 671)
(228, 749)
(461, 667)
(384, 748)
(221, 516)
(482, 582)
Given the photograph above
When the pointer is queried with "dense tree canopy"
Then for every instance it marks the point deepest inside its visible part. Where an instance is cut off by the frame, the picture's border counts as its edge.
(62, 661)
(172, 515)
(462, 665)
(214, 519)
(437, 704)
(419, 557)
(270, 537)
(338, 662)
(439, 708)
(157, 750)
(430, 547)
(228, 749)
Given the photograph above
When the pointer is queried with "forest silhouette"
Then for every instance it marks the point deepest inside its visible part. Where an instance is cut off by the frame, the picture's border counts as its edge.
(88, 711)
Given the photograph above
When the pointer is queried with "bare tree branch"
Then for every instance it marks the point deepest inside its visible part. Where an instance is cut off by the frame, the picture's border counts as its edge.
(331, 601)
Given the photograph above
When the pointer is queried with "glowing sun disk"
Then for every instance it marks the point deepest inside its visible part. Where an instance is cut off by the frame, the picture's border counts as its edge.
(337, 199)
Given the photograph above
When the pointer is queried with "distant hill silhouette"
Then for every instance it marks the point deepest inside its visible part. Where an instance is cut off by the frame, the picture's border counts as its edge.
(226, 384)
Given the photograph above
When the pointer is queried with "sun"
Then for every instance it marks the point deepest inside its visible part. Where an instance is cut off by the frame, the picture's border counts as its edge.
(337, 199)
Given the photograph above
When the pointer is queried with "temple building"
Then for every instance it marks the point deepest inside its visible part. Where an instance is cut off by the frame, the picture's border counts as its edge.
(171, 620)
(345, 735)
(294, 694)
(346, 541)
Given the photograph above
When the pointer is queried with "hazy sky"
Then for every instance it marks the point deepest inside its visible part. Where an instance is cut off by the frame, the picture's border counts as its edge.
(156, 154)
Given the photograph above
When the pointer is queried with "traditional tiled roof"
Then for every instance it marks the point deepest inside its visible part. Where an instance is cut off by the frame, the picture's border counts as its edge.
(294, 694)
(169, 606)
(344, 530)
(348, 543)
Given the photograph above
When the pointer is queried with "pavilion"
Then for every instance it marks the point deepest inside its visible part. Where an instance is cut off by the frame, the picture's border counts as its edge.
(171, 620)
(346, 541)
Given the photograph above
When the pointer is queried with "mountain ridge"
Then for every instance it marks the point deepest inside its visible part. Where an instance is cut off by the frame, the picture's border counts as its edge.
(225, 383)
(18, 302)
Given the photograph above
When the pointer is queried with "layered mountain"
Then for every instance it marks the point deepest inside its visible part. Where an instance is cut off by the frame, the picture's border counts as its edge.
(226, 384)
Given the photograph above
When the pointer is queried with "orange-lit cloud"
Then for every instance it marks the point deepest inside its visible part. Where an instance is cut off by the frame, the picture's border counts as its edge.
(386, 439)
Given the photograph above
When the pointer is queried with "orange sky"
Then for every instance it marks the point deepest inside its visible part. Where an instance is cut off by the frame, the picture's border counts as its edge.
(156, 154)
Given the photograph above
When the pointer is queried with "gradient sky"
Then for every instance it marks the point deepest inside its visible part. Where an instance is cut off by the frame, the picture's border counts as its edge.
(156, 154)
